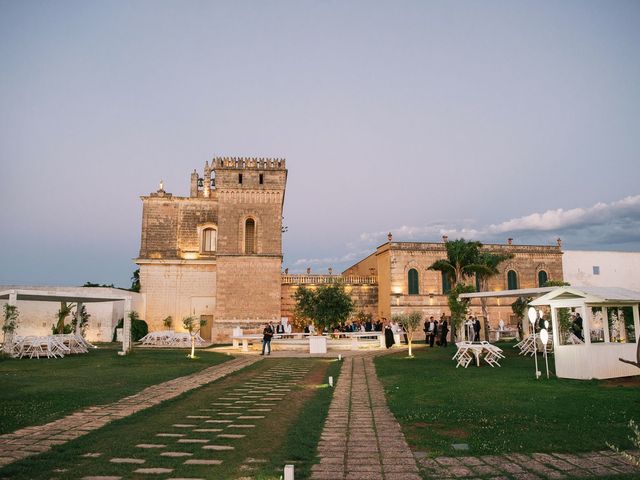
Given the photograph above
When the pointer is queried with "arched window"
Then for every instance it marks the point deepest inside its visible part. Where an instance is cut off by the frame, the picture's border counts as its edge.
(250, 236)
(209, 237)
(446, 283)
(413, 282)
(512, 280)
(542, 278)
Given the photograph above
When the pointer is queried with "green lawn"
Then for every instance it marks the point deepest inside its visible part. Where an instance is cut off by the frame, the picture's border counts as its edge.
(501, 410)
(38, 391)
(288, 433)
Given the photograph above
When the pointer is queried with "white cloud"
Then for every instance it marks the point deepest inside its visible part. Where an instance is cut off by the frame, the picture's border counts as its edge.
(614, 225)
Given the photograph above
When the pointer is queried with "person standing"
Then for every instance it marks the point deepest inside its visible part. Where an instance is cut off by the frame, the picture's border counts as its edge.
(267, 333)
(425, 329)
(476, 329)
(444, 330)
(433, 331)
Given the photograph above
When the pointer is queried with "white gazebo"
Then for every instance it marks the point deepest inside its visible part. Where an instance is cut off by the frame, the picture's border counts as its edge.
(593, 328)
(79, 295)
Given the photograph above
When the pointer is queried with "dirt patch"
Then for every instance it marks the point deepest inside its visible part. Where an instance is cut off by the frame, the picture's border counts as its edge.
(316, 376)
(455, 433)
(424, 424)
(633, 382)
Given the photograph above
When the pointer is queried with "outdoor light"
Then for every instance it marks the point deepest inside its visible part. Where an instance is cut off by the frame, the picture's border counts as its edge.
(544, 337)
(533, 315)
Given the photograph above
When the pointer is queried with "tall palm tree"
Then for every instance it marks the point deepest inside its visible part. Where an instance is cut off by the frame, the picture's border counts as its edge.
(462, 260)
(489, 261)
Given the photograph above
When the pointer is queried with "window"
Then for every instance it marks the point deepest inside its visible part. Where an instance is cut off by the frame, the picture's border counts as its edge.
(261, 178)
(512, 280)
(542, 278)
(239, 178)
(413, 282)
(250, 236)
(446, 284)
(209, 236)
(621, 327)
(596, 270)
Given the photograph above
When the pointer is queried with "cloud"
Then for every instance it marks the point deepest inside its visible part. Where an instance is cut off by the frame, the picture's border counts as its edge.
(613, 226)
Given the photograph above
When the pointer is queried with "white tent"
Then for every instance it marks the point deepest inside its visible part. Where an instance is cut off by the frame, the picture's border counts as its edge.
(79, 295)
(593, 327)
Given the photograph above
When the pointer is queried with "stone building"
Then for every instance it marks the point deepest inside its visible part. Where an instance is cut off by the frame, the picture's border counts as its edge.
(217, 253)
(405, 283)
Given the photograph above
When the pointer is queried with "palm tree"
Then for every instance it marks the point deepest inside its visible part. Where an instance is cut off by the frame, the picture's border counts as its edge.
(489, 261)
(462, 260)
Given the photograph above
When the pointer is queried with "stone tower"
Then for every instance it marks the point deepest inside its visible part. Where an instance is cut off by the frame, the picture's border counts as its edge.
(250, 195)
(216, 254)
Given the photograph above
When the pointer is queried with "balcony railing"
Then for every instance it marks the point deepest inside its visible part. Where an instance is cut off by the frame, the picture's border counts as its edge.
(305, 279)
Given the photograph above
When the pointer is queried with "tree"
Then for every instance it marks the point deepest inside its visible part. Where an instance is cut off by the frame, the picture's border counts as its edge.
(63, 313)
(519, 307)
(458, 306)
(135, 281)
(463, 260)
(9, 325)
(326, 307)
(556, 283)
(489, 263)
(193, 326)
(411, 322)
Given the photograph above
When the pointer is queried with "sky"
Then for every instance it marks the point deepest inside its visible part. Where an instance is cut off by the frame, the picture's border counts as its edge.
(483, 120)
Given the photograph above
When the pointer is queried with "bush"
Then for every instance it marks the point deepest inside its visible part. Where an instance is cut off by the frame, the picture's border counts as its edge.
(139, 329)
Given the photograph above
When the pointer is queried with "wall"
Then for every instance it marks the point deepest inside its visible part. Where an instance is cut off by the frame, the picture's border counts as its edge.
(170, 289)
(617, 269)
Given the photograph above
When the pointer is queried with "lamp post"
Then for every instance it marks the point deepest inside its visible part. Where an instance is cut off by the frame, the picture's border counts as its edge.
(533, 315)
(544, 337)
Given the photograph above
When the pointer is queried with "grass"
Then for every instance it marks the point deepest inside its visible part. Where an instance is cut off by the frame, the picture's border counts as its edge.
(38, 391)
(502, 410)
(289, 433)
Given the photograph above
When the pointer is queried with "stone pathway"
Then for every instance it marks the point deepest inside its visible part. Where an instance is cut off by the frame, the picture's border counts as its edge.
(527, 467)
(211, 431)
(361, 439)
(37, 439)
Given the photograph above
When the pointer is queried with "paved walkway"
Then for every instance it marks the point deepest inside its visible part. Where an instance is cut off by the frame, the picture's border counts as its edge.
(37, 439)
(534, 466)
(361, 439)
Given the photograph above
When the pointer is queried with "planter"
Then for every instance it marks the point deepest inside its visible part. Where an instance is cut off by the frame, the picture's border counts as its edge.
(317, 344)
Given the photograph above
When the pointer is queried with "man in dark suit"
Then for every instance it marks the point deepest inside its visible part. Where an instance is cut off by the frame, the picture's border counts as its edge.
(444, 330)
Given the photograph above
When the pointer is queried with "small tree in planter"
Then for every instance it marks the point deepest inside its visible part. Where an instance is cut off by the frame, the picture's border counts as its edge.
(9, 326)
(167, 323)
(84, 321)
(411, 322)
(193, 326)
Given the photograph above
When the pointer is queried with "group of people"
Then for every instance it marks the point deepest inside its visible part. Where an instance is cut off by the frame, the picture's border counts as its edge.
(473, 328)
(350, 327)
(436, 331)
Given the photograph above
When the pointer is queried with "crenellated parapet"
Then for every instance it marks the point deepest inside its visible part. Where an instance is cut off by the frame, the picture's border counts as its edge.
(249, 163)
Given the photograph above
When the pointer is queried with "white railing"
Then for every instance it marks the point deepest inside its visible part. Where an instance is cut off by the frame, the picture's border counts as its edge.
(309, 279)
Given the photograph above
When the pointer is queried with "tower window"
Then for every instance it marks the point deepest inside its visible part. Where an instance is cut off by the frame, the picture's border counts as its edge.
(512, 280)
(209, 236)
(250, 236)
(261, 178)
(240, 178)
(413, 282)
(542, 278)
